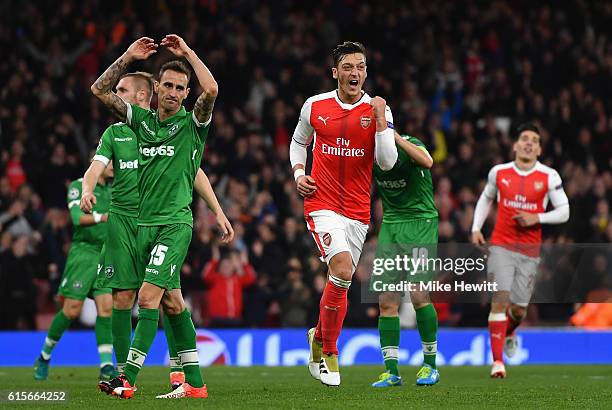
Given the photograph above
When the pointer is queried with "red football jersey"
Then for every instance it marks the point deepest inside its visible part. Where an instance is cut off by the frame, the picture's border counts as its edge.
(527, 191)
(343, 153)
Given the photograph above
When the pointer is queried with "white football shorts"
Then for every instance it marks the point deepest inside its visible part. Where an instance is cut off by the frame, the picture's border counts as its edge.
(513, 272)
(334, 233)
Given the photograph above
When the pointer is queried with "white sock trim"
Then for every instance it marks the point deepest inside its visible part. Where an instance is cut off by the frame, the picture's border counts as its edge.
(497, 317)
(50, 342)
(341, 283)
(136, 358)
(390, 352)
(430, 347)
(189, 358)
(45, 356)
(105, 348)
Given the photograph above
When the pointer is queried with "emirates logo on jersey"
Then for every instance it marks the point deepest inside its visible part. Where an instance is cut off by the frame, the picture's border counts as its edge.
(538, 185)
(327, 239)
(365, 122)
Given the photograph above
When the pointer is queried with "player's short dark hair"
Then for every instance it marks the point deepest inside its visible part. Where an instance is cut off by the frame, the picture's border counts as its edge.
(145, 79)
(176, 65)
(527, 126)
(348, 47)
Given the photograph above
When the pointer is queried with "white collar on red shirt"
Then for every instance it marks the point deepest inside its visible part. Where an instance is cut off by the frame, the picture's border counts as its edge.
(526, 172)
(365, 98)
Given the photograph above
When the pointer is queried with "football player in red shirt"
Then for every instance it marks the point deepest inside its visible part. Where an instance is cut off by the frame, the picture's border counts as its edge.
(523, 189)
(350, 131)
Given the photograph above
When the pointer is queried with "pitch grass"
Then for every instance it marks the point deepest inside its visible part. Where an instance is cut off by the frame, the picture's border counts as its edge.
(585, 387)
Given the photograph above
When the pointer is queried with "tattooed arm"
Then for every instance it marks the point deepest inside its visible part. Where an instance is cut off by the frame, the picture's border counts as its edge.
(205, 102)
(140, 49)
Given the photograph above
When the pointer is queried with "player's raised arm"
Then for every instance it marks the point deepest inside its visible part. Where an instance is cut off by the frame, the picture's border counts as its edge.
(205, 191)
(302, 137)
(102, 88)
(385, 150)
(483, 207)
(418, 153)
(210, 89)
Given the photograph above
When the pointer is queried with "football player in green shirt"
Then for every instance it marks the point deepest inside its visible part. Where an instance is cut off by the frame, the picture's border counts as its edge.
(78, 279)
(171, 143)
(410, 221)
(118, 259)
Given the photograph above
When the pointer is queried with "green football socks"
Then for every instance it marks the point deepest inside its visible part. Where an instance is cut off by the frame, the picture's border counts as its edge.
(389, 330)
(145, 332)
(427, 322)
(175, 361)
(122, 334)
(185, 337)
(58, 326)
(104, 339)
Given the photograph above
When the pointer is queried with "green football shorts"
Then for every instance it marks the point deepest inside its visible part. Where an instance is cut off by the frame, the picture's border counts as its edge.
(162, 251)
(119, 257)
(402, 252)
(78, 280)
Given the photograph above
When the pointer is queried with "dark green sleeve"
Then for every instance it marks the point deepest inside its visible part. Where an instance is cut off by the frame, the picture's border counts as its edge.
(73, 199)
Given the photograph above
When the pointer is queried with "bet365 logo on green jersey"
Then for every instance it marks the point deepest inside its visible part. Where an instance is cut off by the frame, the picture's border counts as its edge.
(164, 150)
(400, 183)
(128, 164)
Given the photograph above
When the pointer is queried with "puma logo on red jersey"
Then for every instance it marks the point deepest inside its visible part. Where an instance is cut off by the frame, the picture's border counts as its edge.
(323, 119)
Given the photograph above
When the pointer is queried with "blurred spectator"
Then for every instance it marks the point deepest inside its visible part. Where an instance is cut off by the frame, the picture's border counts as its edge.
(295, 297)
(18, 301)
(226, 278)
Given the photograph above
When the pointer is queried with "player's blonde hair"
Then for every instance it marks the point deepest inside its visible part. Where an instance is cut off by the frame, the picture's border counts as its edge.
(144, 79)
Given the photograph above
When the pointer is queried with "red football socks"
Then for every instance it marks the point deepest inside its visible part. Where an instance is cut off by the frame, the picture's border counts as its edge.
(497, 332)
(332, 311)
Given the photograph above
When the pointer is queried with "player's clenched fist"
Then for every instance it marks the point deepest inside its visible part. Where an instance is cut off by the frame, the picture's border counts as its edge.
(378, 107)
(306, 185)
(88, 200)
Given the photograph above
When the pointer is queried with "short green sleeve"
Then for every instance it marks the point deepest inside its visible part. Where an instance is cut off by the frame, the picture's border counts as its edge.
(135, 115)
(104, 152)
(200, 128)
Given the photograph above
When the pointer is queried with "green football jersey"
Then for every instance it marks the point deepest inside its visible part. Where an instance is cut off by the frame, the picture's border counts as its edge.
(170, 153)
(92, 234)
(406, 190)
(118, 144)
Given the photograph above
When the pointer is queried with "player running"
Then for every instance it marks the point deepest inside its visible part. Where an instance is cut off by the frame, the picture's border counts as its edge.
(523, 188)
(350, 130)
(171, 143)
(118, 267)
(410, 220)
(78, 279)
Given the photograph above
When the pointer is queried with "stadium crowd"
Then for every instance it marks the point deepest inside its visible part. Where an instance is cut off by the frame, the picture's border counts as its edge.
(459, 75)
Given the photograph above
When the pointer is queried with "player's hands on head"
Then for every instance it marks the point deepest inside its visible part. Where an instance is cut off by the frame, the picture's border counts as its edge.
(88, 200)
(526, 219)
(142, 48)
(306, 185)
(378, 107)
(477, 238)
(225, 227)
(176, 45)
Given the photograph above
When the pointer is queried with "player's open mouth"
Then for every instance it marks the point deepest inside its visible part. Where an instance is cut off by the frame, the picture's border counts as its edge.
(353, 83)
